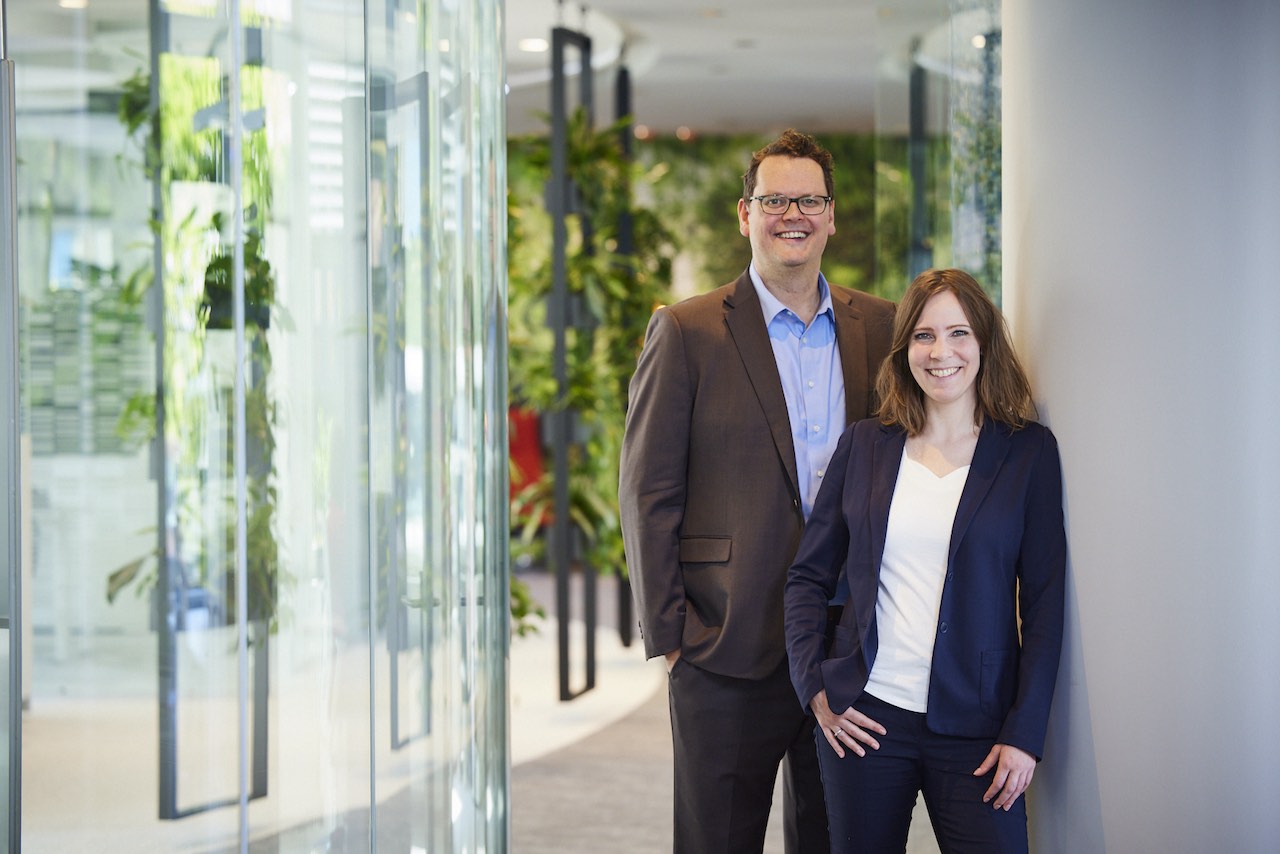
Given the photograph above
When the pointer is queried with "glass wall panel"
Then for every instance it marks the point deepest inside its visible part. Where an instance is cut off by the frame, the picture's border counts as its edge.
(316, 422)
(938, 144)
(89, 346)
(437, 243)
(11, 455)
(262, 362)
(187, 138)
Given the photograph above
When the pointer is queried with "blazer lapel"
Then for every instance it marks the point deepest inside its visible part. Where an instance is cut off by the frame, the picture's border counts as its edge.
(852, 342)
(745, 319)
(988, 456)
(886, 459)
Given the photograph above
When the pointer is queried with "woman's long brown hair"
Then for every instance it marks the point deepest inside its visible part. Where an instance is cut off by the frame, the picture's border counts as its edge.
(1003, 391)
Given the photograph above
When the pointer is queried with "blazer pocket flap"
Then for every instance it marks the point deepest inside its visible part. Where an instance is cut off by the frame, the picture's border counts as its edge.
(999, 682)
(705, 549)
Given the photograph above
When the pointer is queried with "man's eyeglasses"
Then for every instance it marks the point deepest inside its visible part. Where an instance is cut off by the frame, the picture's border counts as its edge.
(778, 203)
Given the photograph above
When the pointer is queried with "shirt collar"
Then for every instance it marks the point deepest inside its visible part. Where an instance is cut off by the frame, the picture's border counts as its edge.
(772, 306)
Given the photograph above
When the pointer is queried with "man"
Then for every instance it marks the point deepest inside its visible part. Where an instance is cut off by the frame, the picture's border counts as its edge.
(737, 402)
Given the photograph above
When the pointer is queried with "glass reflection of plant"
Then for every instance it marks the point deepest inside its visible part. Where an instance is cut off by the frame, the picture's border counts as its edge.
(188, 166)
(617, 292)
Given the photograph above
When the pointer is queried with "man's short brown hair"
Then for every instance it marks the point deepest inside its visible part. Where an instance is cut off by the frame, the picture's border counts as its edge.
(792, 143)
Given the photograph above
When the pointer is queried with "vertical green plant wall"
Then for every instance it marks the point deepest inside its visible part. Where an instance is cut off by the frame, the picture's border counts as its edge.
(617, 294)
(683, 197)
(700, 202)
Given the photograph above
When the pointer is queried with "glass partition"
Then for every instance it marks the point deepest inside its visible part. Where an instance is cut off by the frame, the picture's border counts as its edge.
(262, 368)
(437, 240)
(11, 481)
(938, 141)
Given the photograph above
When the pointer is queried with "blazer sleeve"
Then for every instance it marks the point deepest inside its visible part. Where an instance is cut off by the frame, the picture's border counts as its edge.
(811, 580)
(652, 482)
(1042, 563)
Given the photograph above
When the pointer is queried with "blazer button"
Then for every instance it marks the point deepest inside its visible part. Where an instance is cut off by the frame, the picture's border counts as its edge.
(943, 628)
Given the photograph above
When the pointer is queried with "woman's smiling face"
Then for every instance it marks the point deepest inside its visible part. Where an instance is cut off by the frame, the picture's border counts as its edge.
(944, 355)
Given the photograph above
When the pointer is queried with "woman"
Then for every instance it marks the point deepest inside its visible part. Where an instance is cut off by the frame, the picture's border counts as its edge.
(945, 517)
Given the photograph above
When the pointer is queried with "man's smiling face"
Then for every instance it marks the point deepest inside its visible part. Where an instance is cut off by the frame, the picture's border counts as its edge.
(790, 239)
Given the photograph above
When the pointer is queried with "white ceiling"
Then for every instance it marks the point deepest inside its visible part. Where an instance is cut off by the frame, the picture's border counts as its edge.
(741, 66)
(731, 66)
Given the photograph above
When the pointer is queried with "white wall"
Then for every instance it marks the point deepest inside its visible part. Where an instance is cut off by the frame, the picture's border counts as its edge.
(1142, 226)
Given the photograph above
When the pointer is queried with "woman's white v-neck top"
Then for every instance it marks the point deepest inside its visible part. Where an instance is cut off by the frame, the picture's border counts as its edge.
(912, 573)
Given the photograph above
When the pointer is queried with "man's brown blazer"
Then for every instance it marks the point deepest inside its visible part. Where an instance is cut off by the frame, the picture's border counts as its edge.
(710, 502)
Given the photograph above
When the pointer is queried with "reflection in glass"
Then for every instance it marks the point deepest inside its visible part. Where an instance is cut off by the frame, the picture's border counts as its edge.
(938, 143)
(354, 201)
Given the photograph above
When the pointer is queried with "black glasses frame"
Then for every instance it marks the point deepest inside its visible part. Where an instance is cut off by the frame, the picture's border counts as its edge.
(796, 200)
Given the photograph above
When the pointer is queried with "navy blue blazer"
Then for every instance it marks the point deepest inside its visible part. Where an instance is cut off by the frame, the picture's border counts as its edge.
(1008, 554)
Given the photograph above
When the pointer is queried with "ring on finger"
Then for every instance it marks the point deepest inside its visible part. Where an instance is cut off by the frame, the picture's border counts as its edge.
(835, 731)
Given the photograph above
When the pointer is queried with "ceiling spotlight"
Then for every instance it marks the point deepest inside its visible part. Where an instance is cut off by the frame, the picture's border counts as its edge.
(534, 45)
(979, 41)
(642, 132)
(74, 4)
(684, 134)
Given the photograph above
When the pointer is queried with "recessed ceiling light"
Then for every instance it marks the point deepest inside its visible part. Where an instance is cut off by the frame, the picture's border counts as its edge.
(74, 4)
(533, 45)
(979, 41)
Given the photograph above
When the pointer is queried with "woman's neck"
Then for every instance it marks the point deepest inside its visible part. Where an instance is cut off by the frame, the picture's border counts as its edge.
(948, 440)
(947, 423)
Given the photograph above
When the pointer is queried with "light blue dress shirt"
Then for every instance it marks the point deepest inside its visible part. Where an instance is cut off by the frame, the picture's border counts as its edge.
(812, 382)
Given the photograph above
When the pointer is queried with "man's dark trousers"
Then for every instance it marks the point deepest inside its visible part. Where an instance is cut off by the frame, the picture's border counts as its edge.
(729, 737)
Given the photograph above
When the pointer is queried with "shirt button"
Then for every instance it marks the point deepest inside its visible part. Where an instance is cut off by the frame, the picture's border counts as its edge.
(821, 472)
(810, 383)
(817, 428)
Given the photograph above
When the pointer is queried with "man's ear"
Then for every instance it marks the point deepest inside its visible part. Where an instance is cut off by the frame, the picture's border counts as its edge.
(744, 211)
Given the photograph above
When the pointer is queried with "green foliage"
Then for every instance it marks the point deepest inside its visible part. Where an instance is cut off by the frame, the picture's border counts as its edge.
(894, 193)
(617, 293)
(977, 185)
(181, 142)
(893, 190)
(700, 202)
(137, 422)
(523, 609)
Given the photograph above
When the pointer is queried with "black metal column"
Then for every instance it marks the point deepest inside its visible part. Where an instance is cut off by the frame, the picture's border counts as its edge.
(561, 315)
(626, 248)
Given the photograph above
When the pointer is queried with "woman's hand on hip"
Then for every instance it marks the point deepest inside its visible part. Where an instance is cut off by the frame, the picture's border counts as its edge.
(1014, 769)
(850, 729)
